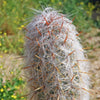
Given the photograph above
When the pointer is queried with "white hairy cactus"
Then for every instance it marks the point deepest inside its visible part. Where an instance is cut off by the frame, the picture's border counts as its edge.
(55, 62)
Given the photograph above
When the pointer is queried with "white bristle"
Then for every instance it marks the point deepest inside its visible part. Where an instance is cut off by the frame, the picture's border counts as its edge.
(55, 57)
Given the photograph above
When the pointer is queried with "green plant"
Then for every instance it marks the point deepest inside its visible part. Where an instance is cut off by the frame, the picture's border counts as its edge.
(13, 14)
(9, 89)
(11, 76)
(11, 44)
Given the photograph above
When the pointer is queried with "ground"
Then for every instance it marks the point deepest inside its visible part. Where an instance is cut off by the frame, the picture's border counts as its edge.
(93, 38)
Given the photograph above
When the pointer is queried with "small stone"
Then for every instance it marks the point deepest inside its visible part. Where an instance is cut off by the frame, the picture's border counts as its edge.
(97, 75)
(98, 97)
(98, 88)
(98, 81)
(97, 67)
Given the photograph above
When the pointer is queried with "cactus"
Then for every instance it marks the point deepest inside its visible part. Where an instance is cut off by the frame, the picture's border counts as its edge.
(56, 67)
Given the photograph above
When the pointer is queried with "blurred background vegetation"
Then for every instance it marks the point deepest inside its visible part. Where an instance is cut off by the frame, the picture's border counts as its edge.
(15, 15)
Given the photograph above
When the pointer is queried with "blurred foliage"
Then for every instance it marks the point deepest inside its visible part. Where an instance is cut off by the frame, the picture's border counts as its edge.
(12, 43)
(12, 82)
(15, 14)
(9, 89)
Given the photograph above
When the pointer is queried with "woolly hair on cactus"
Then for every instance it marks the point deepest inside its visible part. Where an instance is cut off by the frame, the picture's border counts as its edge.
(55, 63)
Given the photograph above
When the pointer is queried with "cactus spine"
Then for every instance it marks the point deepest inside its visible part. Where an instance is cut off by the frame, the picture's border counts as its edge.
(55, 62)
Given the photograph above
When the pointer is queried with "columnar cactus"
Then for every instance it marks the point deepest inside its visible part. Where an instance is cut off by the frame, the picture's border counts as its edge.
(55, 62)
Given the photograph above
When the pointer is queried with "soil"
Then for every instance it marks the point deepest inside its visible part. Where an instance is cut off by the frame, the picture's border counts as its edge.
(92, 39)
